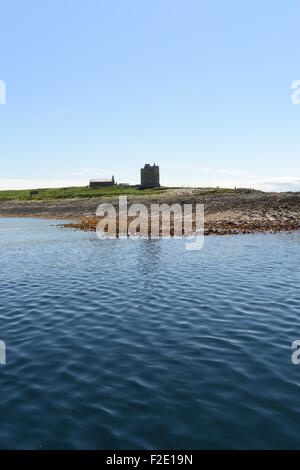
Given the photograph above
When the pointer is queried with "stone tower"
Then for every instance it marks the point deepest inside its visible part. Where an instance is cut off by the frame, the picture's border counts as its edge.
(150, 176)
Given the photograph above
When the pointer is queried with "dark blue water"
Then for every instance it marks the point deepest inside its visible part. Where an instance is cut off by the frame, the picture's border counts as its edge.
(141, 344)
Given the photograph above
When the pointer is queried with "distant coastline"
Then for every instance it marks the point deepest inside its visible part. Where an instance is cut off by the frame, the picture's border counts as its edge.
(227, 211)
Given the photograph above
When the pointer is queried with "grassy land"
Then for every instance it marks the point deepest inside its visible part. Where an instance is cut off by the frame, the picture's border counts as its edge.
(85, 192)
(74, 192)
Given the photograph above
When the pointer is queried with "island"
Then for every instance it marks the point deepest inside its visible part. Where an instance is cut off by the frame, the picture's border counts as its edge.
(227, 211)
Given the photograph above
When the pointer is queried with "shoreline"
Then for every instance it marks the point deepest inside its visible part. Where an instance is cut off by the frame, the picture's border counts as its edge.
(234, 212)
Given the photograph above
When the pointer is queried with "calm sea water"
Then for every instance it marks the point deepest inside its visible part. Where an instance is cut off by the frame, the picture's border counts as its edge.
(141, 344)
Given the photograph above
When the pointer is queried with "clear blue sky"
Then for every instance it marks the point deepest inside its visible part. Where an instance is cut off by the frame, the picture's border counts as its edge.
(203, 88)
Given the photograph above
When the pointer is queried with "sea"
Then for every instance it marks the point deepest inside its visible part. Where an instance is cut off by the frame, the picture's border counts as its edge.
(142, 344)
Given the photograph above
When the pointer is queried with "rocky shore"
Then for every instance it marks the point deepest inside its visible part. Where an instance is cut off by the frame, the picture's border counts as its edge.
(226, 212)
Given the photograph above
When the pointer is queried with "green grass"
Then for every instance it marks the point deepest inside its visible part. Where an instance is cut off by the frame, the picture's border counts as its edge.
(85, 192)
(74, 192)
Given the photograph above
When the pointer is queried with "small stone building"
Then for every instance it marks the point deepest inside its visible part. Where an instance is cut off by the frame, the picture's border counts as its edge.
(101, 183)
(150, 176)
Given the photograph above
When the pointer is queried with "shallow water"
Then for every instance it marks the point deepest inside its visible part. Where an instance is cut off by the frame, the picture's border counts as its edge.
(141, 344)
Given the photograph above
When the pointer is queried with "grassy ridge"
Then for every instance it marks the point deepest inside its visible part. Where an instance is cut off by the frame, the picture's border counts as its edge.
(86, 192)
(73, 192)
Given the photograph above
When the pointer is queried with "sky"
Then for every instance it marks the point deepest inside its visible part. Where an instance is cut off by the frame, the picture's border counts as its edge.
(99, 88)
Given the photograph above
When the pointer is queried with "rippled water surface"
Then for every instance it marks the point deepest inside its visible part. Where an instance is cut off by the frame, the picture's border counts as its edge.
(141, 344)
